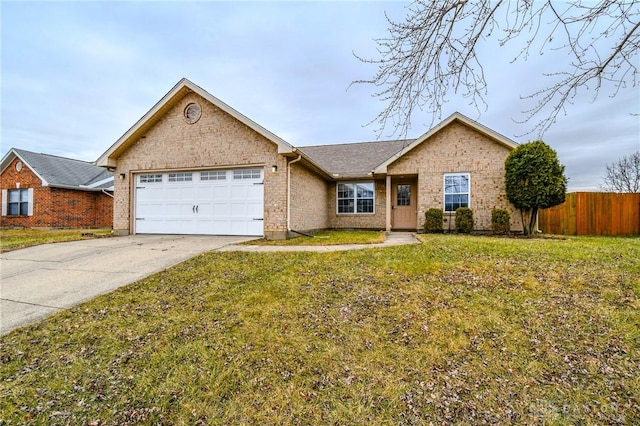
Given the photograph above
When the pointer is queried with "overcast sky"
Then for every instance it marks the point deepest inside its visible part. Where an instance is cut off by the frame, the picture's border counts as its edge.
(77, 75)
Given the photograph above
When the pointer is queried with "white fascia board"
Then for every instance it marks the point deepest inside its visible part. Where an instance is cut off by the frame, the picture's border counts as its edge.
(105, 161)
(99, 183)
(8, 159)
(503, 140)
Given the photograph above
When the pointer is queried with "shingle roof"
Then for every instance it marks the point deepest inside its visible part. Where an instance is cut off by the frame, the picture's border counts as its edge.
(354, 159)
(66, 172)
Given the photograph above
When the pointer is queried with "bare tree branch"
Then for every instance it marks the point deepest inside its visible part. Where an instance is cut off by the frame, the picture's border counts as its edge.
(624, 176)
(433, 52)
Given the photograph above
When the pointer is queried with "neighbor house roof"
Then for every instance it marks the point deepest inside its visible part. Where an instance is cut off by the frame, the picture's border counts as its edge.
(353, 159)
(177, 93)
(62, 172)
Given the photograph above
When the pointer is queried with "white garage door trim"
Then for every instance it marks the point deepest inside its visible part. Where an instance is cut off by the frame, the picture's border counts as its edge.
(208, 202)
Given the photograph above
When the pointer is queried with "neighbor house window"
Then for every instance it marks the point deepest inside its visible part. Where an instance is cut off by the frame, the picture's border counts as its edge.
(356, 197)
(18, 202)
(456, 191)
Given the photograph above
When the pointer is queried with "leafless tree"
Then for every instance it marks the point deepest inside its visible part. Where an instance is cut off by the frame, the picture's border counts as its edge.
(624, 176)
(435, 50)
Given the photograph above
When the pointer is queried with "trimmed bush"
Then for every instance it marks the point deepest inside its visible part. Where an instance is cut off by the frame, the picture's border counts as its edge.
(500, 221)
(433, 221)
(464, 220)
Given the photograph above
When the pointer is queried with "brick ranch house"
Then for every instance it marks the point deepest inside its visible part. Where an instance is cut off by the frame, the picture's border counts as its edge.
(194, 165)
(46, 191)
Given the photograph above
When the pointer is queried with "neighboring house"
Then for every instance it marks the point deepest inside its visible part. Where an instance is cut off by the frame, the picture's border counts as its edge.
(45, 191)
(194, 165)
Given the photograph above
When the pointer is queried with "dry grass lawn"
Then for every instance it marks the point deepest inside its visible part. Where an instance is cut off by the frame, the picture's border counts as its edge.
(458, 330)
(14, 239)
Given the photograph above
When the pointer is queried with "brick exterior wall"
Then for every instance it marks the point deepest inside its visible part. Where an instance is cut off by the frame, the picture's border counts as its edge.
(377, 220)
(57, 207)
(309, 200)
(459, 148)
(216, 140)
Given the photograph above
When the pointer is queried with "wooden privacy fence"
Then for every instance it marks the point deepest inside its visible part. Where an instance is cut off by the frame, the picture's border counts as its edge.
(593, 213)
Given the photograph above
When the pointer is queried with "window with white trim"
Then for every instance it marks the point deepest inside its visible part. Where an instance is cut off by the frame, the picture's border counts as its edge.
(457, 191)
(151, 178)
(213, 175)
(18, 202)
(180, 177)
(357, 197)
(247, 174)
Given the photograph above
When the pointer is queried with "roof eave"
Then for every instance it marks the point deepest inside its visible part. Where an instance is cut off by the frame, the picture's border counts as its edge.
(78, 188)
(8, 159)
(456, 116)
(312, 163)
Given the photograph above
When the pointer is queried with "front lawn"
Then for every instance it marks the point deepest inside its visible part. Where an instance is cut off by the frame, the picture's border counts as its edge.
(14, 239)
(457, 330)
(327, 238)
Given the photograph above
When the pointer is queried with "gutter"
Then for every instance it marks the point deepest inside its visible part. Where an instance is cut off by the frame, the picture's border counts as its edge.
(289, 190)
(75, 188)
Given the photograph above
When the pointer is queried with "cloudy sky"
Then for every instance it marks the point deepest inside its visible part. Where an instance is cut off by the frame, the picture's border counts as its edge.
(76, 75)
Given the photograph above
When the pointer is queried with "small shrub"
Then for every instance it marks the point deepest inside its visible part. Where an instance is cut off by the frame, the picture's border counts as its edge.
(464, 220)
(500, 221)
(433, 221)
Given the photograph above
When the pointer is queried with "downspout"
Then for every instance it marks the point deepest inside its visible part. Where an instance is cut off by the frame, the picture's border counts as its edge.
(289, 191)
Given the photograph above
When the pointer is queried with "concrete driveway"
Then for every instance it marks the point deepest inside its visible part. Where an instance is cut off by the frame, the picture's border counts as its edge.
(39, 281)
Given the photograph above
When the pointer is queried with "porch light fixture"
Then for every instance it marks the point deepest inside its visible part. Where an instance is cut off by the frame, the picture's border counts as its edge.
(122, 176)
(274, 169)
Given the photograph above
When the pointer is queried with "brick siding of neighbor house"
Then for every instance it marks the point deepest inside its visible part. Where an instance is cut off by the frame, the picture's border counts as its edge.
(216, 140)
(377, 220)
(458, 148)
(309, 200)
(57, 207)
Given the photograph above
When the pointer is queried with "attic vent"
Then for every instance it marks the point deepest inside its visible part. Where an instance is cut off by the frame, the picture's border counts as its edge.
(192, 113)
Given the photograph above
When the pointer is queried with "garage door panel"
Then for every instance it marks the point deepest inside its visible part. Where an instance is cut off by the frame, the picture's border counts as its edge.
(151, 209)
(226, 205)
(221, 192)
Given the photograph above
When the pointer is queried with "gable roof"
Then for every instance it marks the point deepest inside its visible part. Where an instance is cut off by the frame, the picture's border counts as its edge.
(365, 159)
(353, 159)
(456, 116)
(61, 172)
(178, 92)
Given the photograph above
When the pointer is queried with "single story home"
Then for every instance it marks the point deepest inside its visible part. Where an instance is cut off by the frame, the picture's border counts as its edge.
(194, 165)
(46, 191)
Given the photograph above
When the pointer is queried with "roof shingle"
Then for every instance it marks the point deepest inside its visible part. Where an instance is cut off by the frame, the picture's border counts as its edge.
(66, 172)
(354, 159)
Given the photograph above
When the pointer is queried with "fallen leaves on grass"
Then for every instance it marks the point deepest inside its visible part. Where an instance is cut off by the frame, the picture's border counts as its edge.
(460, 330)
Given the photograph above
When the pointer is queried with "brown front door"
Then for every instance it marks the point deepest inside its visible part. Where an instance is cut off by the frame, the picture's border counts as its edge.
(403, 205)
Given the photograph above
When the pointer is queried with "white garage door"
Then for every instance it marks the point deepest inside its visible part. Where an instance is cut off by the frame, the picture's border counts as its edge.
(213, 202)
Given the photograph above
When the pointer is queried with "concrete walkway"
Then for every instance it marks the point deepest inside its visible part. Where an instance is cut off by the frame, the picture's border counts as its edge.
(392, 239)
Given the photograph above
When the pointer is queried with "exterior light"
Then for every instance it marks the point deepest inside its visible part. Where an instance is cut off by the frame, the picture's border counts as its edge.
(274, 169)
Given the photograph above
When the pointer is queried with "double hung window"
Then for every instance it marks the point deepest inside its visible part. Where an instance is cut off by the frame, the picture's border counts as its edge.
(17, 202)
(356, 197)
(457, 192)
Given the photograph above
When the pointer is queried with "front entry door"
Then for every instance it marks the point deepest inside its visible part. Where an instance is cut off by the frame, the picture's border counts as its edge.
(404, 212)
